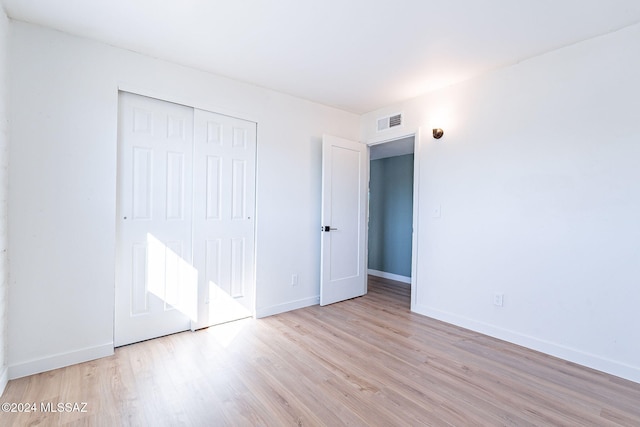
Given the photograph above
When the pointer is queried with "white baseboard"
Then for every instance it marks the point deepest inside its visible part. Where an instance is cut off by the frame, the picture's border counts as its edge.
(4, 379)
(60, 360)
(282, 308)
(593, 361)
(390, 276)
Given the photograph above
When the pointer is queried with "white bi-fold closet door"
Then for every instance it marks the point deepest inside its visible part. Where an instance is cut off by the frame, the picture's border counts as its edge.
(185, 225)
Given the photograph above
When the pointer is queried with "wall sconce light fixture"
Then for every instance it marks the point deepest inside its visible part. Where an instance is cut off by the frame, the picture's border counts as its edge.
(437, 133)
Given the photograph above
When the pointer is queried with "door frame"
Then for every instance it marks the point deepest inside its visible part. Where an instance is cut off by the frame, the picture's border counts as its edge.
(417, 142)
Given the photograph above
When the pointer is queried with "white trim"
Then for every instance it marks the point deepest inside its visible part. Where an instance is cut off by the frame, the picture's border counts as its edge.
(589, 360)
(288, 306)
(4, 379)
(60, 360)
(390, 276)
(416, 216)
(381, 139)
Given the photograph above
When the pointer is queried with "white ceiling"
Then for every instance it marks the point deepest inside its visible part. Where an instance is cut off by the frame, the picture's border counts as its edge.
(358, 55)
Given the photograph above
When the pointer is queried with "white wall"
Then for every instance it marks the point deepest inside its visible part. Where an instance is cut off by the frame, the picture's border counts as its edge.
(538, 178)
(63, 187)
(4, 146)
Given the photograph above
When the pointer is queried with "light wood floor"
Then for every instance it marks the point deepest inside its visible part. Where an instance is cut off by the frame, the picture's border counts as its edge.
(367, 361)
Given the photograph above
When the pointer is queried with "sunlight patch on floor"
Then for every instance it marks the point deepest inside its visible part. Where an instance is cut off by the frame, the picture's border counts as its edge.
(226, 333)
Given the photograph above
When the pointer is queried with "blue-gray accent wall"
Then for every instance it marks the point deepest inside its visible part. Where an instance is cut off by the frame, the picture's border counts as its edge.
(391, 214)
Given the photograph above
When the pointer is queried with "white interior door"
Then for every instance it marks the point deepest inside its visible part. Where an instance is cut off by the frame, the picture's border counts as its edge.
(344, 209)
(224, 184)
(156, 284)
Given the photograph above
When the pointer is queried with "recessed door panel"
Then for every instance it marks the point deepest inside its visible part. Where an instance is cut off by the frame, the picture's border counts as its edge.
(238, 188)
(346, 201)
(240, 136)
(142, 121)
(174, 275)
(238, 257)
(214, 133)
(139, 300)
(142, 185)
(213, 262)
(176, 128)
(214, 187)
(175, 185)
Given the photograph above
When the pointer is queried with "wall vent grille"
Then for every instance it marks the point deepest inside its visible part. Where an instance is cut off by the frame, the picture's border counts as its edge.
(389, 122)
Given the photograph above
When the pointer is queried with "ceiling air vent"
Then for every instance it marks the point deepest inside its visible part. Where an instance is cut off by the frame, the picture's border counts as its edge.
(385, 123)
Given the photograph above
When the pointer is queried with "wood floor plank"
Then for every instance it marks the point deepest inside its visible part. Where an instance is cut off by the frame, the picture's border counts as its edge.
(363, 362)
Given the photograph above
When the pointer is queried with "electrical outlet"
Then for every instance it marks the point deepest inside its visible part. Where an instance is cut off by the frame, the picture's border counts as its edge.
(294, 280)
(498, 299)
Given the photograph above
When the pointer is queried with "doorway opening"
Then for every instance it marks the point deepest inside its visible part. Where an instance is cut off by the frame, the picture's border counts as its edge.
(391, 211)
